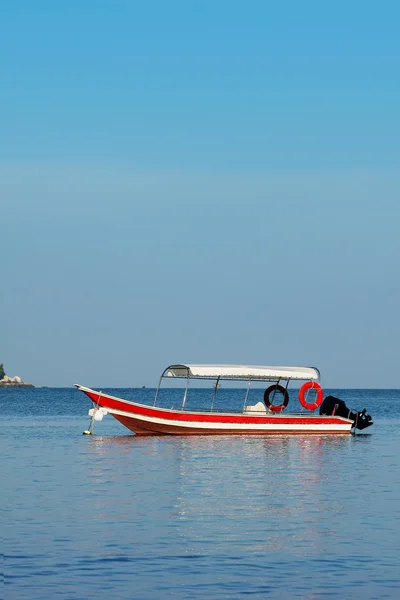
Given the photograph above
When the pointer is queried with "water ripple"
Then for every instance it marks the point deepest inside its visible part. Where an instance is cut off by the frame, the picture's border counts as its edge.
(121, 516)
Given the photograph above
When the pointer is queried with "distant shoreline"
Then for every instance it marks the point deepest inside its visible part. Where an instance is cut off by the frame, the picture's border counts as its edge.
(13, 384)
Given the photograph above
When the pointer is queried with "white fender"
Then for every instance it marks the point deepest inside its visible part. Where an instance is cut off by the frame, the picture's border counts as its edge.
(98, 413)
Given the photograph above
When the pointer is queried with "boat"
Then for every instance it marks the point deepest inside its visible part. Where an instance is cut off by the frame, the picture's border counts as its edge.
(262, 418)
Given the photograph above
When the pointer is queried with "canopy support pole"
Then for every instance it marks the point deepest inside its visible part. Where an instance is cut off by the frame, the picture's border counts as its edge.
(273, 395)
(215, 392)
(247, 395)
(158, 389)
(186, 391)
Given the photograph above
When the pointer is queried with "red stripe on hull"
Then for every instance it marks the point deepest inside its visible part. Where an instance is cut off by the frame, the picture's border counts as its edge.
(154, 412)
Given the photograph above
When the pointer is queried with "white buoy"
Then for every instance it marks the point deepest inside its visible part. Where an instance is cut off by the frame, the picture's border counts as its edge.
(95, 414)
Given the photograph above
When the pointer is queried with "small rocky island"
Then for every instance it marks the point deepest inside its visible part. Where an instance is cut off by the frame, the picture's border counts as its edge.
(16, 381)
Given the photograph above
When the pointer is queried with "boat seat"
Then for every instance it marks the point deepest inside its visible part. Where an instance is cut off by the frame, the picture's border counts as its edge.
(259, 407)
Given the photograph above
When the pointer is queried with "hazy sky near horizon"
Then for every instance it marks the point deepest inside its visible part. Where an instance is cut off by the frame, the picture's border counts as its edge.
(210, 182)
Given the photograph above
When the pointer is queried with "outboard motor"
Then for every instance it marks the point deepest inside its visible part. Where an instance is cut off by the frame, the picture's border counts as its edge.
(335, 406)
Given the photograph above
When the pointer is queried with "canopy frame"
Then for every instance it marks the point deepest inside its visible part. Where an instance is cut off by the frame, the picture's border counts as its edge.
(240, 372)
(237, 373)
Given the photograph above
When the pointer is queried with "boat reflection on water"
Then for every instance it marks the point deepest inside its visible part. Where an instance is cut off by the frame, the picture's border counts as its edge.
(277, 491)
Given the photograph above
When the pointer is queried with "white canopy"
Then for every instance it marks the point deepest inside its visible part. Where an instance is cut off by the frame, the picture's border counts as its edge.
(241, 372)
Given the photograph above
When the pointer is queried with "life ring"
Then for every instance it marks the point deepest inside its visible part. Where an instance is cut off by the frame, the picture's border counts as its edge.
(302, 395)
(274, 389)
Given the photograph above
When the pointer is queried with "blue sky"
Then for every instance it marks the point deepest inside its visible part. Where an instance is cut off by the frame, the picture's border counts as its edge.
(199, 182)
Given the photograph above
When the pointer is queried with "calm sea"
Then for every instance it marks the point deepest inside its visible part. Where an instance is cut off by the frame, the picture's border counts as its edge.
(119, 516)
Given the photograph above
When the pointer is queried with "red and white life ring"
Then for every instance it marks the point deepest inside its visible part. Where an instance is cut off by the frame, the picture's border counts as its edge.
(302, 395)
(274, 389)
